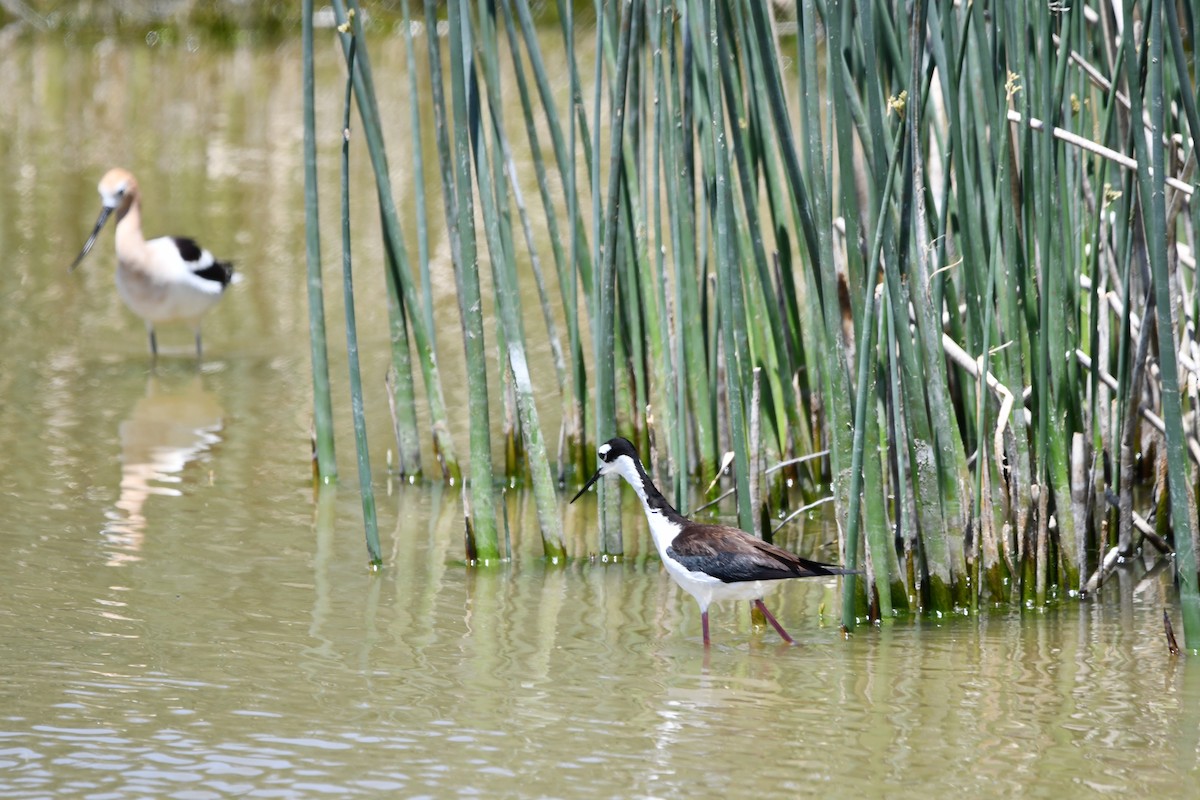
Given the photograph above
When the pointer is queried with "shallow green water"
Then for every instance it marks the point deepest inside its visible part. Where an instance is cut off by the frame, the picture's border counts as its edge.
(181, 618)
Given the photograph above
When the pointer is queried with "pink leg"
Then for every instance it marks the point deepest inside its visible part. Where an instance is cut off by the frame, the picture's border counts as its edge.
(704, 624)
(774, 622)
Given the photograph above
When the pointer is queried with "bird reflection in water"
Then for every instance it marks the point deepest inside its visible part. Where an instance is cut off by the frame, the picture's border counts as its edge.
(167, 429)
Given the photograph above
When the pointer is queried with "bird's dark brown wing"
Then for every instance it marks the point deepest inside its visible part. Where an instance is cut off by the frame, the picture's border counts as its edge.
(732, 556)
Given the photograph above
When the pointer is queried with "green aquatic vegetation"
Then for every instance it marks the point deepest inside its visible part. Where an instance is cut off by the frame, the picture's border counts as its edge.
(938, 234)
(326, 463)
(370, 521)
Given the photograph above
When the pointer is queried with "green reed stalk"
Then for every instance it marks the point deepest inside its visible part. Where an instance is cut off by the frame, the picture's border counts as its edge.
(599, 276)
(981, 485)
(902, 392)
(1016, 318)
(1151, 190)
(572, 397)
(509, 172)
(698, 161)
(916, 436)
(729, 284)
(987, 485)
(466, 270)
(881, 564)
(821, 290)
(394, 242)
(507, 295)
(356, 395)
(689, 338)
(673, 388)
(777, 285)
(322, 402)
(630, 311)
(837, 24)
(1177, 464)
(1038, 150)
(1044, 382)
(605, 317)
(399, 381)
(762, 305)
(564, 151)
(943, 552)
(476, 363)
(865, 389)
(689, 276)
(646, 306)
(1065, 339)
(566, 16)
(847, 119)
(418, 157)
(899, 565)
(574, 269)
(630, 340)
(915, 439)
(944, 43)
(1008, 365)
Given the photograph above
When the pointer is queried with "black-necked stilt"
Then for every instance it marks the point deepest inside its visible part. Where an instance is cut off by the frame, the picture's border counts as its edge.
(709, 562)
(169, 279)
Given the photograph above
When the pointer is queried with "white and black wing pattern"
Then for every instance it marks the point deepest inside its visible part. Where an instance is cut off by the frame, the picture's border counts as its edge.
(201, 263)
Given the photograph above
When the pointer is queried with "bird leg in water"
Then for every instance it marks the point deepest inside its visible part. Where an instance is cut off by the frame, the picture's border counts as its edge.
(774, 622)
(704, 624)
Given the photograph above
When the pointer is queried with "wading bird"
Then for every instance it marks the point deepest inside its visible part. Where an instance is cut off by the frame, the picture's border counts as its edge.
(709, 562)
(168, 279)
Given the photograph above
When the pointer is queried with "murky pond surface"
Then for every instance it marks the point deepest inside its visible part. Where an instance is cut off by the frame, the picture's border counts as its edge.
(182, 618)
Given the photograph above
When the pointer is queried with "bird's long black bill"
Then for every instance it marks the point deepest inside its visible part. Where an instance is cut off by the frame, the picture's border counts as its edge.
(104, 212)
(587, 486)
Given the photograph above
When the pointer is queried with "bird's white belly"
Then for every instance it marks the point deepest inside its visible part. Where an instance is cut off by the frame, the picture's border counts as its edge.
(700, 585)
(707, 589)
(159, 300)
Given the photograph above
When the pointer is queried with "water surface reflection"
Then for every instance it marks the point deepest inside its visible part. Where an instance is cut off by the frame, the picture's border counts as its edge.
(319, 677)
(168, 428)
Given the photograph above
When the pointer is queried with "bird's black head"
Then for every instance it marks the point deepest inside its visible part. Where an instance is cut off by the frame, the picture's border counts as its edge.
(614, 448)
(610, 454)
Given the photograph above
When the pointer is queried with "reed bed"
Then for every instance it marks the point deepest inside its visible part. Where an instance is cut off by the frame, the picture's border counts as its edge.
(951, 243)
